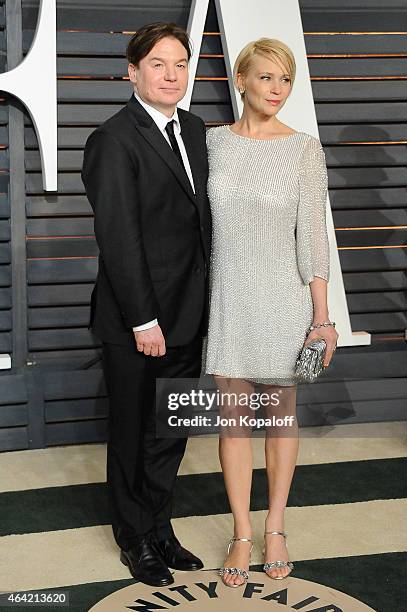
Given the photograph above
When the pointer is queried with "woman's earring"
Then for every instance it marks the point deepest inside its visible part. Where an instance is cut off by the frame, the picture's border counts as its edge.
(241, 91)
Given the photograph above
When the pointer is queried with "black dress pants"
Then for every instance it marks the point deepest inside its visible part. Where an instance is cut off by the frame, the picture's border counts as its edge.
(141, 469)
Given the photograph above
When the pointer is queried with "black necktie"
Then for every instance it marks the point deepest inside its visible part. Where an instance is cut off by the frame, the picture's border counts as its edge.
(169, 128)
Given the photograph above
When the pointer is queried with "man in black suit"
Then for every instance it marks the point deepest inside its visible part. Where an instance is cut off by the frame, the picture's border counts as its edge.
(145, 172)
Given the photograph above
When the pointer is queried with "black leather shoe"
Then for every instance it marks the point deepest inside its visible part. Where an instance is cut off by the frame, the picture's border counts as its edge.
(146, 563)
(177, 557)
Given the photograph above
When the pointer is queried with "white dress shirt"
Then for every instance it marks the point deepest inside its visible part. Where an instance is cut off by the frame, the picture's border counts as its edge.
(161, 121)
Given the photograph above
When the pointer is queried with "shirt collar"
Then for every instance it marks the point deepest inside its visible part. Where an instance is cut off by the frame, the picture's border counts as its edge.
(158, 117)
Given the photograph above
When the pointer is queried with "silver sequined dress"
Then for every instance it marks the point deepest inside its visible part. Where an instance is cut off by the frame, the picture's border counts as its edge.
(268, 201)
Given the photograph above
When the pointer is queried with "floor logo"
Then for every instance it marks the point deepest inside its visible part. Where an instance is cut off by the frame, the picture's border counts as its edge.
(203, 591)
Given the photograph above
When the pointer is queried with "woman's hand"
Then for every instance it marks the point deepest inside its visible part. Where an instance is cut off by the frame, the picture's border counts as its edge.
(330, 335)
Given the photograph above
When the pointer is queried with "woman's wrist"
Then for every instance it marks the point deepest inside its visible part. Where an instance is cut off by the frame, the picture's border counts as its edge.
(320, 318)
(321, 324)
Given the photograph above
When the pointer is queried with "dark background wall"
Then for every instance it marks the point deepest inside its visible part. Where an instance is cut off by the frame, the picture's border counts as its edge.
(55, 392)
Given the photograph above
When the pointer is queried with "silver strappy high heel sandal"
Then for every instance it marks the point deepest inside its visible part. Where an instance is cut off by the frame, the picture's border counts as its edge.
(277, 564)
(236, 570)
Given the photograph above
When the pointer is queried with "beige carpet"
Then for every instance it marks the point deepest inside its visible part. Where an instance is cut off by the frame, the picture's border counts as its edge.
(69, 465)
(78, 556)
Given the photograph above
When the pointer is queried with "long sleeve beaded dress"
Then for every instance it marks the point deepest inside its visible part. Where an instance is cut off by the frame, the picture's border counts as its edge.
(268, 202)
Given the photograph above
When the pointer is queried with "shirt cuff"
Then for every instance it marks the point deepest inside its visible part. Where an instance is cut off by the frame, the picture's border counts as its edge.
(146, 325)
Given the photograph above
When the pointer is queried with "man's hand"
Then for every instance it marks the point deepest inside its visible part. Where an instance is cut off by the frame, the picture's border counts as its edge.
(150, 341)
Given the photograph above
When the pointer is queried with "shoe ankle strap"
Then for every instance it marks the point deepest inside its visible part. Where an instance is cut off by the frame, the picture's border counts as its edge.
(240, 540)
(233, 540)
(283, 533)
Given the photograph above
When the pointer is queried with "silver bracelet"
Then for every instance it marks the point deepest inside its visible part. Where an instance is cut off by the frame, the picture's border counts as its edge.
(324, 324)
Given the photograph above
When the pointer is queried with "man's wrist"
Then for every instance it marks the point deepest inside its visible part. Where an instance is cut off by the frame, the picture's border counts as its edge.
(145, 326)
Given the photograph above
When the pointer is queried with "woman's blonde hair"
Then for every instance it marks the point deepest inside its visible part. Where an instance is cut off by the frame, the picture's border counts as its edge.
(272, 49)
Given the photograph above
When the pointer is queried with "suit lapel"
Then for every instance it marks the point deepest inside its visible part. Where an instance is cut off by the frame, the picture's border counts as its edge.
(193, 153)
(150, 132)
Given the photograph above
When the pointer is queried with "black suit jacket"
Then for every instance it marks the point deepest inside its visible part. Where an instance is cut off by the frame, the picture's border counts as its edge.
(152, 231)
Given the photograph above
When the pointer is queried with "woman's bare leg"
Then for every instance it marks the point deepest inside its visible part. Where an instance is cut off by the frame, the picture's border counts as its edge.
(281, 450)
(235, 454)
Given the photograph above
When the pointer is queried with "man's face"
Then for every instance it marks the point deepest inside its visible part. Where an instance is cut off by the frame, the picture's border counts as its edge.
(161, 78)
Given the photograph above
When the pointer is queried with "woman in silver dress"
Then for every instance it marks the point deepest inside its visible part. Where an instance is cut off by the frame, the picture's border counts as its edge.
(268, 284)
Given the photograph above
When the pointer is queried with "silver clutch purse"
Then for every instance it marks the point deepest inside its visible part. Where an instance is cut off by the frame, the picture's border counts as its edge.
(309, 364)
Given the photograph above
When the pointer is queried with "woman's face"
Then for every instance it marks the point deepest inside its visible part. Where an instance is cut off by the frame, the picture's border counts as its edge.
(266, 85)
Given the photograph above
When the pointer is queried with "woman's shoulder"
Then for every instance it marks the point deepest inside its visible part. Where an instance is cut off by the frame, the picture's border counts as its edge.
(213, 134)
(312, 157)
(311, 150)
(311, 143)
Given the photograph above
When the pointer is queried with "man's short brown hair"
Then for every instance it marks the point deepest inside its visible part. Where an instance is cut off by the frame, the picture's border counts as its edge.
(149, 35)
